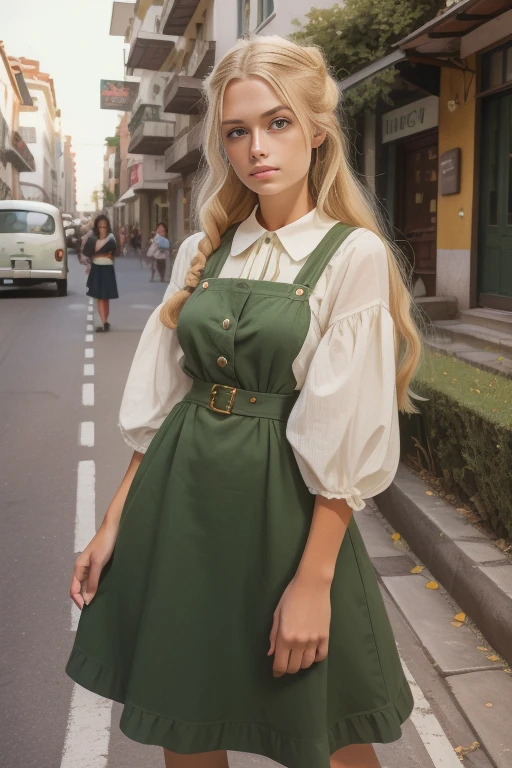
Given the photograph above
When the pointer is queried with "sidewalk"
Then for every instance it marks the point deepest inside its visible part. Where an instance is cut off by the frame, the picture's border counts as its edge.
(473, 576)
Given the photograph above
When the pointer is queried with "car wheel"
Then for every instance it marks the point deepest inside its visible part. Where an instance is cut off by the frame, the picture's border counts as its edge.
(62, 287)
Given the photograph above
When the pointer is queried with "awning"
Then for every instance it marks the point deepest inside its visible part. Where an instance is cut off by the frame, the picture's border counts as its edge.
(127, 197)
(371, 69)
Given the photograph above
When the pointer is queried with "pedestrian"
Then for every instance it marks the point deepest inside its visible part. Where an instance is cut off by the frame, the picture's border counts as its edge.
(158, 252)
(228, 600)
(136, 242)
(100, 248)
(122, 240)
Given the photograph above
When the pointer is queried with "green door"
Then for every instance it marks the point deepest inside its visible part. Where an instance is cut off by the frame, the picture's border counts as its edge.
(495, 253)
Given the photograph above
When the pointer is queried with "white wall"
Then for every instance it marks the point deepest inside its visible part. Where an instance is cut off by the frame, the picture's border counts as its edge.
(8, 108)
(44, 150)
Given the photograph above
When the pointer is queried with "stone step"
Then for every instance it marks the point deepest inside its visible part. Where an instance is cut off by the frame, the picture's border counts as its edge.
(438, 307)
(492, 319)
(479, 358)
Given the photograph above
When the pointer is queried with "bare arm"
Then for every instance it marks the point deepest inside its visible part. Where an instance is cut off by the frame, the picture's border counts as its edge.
(89, 563)
(300, 630)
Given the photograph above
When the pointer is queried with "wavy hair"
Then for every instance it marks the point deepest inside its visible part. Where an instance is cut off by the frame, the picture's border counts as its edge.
(301, 79)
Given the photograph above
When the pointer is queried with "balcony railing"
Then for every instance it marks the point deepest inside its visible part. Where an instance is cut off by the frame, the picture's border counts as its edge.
(145, 112)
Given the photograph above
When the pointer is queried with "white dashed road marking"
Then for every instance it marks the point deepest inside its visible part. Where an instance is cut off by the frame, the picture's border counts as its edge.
(88, 731)
(87, 434)
(89, 369)
(87, 394)
(89, 352)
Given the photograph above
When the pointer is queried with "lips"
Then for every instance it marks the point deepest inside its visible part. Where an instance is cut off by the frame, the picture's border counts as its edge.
(263, 169)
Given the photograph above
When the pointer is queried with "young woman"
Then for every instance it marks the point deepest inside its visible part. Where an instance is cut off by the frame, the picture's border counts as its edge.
(100, 247)
(228, 600)
(158, 252)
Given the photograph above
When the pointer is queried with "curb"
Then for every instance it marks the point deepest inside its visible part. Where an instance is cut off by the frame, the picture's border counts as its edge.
(467, 564)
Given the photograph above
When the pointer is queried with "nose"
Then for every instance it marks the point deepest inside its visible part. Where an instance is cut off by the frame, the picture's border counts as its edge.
(258, 148)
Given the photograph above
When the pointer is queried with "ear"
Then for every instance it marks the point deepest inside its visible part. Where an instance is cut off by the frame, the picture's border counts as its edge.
(318, 139)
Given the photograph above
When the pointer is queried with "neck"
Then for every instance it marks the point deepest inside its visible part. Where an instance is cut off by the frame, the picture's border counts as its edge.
(276, 211)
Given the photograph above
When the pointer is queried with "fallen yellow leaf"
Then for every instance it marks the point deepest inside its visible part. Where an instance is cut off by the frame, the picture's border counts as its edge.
(481, 648)
(429, 493)
(460, 617)
(493, 658)
(432, 585)
(477, 391)
(500, 358)
(458, 749)
(417, 569)
(395, 536)
(488, 704)
(456, 623)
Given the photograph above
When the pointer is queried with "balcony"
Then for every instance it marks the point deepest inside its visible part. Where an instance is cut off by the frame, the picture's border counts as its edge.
(183, 95)
(176, 16)
(184, 155)
(202, 58)
(152, 138)
(150, 135)
(149, 50)
(19, 154)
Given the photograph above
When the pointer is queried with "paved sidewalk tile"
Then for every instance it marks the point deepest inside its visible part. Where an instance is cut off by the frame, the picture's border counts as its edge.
(493, 725)
(453, 649)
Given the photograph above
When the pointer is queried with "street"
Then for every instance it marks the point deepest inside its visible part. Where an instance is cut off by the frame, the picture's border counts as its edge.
(62, 459)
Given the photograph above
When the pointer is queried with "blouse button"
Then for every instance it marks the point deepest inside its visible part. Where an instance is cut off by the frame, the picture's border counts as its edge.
(226, 323)
(267, 239)
(299, 291)
(222, 362)
(205, 284)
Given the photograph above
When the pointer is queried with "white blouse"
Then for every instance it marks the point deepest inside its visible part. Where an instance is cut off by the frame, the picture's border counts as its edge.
(344, 426)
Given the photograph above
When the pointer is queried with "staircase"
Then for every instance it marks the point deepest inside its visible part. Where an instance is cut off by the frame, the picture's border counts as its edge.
(480, 337)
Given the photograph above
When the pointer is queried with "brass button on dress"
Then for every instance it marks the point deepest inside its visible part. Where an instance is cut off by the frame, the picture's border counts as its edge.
(222, 362)
(299, 291)
(226, 323)
(205, 284)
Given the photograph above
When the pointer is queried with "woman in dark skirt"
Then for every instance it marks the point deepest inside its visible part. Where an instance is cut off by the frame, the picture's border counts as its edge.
(100, 248)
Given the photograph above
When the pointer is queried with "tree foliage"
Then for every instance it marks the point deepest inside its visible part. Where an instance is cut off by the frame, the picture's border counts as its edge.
(359, 32)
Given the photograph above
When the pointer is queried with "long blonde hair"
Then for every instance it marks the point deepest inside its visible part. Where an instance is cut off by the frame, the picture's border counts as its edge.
(299, 75)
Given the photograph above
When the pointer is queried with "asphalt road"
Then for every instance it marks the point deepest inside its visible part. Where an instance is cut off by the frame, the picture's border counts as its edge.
(47, 721)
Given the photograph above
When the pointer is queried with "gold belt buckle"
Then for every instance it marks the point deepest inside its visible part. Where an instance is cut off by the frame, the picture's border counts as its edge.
(215, 388)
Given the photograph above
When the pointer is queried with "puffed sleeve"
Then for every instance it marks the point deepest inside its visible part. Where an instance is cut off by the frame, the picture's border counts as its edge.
(344, 426)
(156, 381)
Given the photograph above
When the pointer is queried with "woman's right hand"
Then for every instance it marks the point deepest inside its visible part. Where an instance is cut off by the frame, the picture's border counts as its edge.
(89, 564)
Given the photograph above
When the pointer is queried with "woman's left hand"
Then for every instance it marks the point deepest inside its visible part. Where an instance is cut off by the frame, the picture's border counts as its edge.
(300, 631)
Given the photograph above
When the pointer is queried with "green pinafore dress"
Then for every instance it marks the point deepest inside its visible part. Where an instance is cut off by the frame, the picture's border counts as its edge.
(212, 532)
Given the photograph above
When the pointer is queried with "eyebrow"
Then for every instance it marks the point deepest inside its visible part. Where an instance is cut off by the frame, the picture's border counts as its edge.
(272, 111)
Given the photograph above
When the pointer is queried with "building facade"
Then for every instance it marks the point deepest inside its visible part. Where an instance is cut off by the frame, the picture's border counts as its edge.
(15, 156)
(40, 128)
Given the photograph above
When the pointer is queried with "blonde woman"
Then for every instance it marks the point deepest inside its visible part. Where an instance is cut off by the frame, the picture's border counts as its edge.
(228, 600)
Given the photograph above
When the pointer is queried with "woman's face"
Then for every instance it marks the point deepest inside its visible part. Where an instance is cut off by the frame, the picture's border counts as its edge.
(257, 130)
(102, 229)
(160, 230)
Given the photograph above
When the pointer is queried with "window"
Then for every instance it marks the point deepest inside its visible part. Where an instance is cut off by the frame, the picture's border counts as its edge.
(244, 16)
(265, 8)
(497, 67)
(25, 222)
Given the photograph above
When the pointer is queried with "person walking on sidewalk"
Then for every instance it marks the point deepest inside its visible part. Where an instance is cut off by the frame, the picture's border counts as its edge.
(228, 600)
(158, 252)
(100, 247)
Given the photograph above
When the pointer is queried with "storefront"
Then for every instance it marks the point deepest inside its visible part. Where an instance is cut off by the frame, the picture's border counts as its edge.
(495, 210)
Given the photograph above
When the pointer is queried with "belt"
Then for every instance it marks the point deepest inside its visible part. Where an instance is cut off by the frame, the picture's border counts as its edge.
(241, 402)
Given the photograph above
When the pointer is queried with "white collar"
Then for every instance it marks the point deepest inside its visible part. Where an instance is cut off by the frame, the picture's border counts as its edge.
(298, 238)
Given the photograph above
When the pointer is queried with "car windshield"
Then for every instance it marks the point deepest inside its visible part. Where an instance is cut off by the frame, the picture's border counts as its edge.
(24, 222)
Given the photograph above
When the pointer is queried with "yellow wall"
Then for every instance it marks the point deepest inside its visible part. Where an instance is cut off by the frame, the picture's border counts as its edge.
(457, 129)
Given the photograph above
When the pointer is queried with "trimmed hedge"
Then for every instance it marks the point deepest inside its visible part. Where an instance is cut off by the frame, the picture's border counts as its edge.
(465, 434)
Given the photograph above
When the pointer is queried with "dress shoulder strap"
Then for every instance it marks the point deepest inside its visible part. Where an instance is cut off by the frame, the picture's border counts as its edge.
(218, 258)
(323, 253)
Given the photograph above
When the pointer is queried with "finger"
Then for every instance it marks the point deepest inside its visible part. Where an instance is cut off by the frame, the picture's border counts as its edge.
(321, 651)
(273, 634)
(74, 593)
(295, 660)
(309, 656)
(281, 656)
(92, 581)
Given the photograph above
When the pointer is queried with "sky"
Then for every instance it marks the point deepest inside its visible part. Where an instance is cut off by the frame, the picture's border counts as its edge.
(71, 41)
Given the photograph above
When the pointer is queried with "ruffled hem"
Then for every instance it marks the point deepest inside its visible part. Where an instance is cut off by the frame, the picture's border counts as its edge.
(128, 440)
(376, 727)
(352, 496)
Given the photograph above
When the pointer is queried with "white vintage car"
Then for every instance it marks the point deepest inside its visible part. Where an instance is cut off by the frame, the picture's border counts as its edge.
(32, 245)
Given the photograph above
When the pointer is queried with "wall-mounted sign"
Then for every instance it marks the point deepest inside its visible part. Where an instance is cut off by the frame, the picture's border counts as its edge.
(135, 175)
(118, 94)
(449, 172)
(413, 118)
